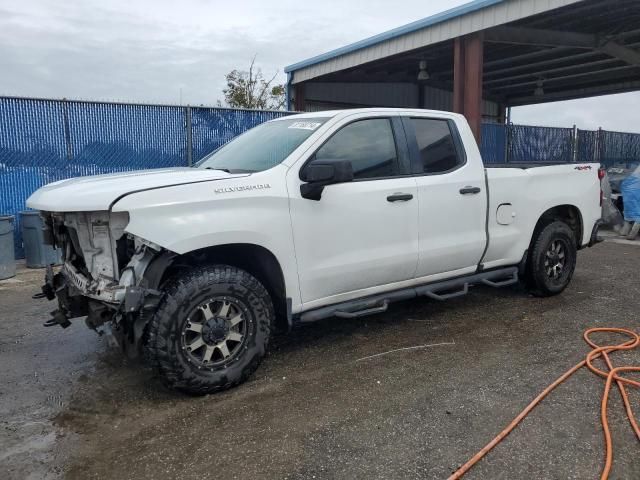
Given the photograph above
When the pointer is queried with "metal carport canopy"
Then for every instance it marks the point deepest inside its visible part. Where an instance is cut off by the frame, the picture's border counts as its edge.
(525, 51)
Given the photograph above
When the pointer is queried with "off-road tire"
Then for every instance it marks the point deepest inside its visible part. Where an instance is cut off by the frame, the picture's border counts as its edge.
(165, 350)
(538, 281)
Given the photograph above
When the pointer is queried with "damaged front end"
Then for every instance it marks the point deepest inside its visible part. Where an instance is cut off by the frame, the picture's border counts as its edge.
(107, 275)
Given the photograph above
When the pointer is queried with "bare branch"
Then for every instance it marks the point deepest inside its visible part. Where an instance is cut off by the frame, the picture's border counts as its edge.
(265, 88)
(249, 89)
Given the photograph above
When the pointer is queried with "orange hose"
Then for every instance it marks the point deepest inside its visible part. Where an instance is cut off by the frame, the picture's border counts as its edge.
(611, 376)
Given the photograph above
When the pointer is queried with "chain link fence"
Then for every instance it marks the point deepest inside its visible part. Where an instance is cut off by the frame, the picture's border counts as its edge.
(42, 141)
(523, 143)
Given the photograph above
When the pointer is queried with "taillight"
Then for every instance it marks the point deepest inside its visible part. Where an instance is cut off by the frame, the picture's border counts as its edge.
(601, 173)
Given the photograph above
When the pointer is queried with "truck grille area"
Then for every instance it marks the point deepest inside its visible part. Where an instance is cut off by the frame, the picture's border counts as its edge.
(102, 290)
(78, 280)
(90, 243)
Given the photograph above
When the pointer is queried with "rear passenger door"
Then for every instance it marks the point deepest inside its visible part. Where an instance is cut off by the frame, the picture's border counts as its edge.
(451, 196)
(361, 237)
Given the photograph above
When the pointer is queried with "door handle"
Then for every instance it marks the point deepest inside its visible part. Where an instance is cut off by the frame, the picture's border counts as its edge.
(399, 197)
(470, 190)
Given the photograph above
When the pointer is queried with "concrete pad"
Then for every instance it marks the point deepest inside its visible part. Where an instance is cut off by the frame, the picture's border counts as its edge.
(326, 404)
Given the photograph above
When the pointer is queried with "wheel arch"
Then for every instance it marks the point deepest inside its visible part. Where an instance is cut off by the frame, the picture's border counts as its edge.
(255, 259)
(569, 214)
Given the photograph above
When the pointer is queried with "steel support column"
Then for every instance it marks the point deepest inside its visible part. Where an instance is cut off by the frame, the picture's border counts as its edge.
(299, 97)
(458, 75)
(502, 113)
(468, 64)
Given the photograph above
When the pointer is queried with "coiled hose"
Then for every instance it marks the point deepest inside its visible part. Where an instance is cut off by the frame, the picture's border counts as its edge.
(613, 375)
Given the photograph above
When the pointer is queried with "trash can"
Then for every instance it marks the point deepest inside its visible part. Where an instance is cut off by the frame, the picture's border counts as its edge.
(7, 251)
(36, 253)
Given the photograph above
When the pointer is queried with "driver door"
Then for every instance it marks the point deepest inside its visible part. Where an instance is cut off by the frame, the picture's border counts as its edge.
(361, 237)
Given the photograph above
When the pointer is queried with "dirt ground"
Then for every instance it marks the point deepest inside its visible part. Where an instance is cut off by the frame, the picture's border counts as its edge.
(71, 407)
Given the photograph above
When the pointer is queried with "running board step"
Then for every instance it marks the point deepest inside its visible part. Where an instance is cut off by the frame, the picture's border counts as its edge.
(445, 296)
(502, 283)
(367, 311)
(445, 290)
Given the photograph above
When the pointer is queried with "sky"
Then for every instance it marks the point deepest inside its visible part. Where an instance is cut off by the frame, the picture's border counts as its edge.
(162, 51)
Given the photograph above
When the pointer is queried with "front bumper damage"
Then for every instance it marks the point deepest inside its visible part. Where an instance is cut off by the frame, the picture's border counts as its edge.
(115, 291)
(76, 299)
(119, 312)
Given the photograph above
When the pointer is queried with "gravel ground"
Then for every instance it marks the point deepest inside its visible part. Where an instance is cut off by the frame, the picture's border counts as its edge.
(70, 407)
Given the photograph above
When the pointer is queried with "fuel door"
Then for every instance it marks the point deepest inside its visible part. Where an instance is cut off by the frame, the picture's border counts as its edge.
(505, 214)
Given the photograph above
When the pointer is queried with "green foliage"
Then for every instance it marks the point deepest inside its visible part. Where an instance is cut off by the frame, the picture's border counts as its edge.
(249, 89)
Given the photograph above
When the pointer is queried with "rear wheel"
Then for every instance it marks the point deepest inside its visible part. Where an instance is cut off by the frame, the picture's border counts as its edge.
(211, 329)
(552, 260)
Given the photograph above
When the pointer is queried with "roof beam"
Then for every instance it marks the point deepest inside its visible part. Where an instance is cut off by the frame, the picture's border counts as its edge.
(546, 54)
(550, 82)
(541, 64)
(620, 52)
(549, 62)
(550, 53)
(544, 73)
(554, 38)
(592, 91)
(534, 36)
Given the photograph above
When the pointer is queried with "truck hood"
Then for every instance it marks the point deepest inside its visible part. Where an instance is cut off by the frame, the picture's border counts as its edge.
(100, 191)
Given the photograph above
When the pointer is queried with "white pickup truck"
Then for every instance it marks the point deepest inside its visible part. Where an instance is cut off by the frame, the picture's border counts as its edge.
(305, 217)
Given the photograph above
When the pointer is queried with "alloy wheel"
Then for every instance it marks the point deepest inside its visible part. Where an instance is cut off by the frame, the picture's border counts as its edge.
(215, 332)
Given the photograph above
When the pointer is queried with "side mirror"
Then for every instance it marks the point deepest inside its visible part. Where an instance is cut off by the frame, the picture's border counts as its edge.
(319, 173)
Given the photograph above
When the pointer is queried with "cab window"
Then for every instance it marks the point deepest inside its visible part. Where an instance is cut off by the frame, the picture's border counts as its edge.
(368, 144)
(436, 145)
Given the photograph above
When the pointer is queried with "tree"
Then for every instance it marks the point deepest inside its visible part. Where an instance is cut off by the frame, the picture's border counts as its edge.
(249, 89)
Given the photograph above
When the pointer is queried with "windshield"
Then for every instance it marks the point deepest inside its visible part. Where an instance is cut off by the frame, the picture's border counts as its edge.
(262, 147)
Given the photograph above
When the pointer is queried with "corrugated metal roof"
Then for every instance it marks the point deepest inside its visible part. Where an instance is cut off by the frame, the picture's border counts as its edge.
(471, 17)
(396, 32)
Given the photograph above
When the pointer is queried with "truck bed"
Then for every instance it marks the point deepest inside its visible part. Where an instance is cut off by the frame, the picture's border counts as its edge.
(526, 166)
(524, 191)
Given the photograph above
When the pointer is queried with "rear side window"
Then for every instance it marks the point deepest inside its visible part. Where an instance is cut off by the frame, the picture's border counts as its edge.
(435, 142)
(369, 146)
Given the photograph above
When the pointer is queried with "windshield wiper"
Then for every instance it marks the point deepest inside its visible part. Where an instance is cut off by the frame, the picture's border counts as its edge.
(231, 170)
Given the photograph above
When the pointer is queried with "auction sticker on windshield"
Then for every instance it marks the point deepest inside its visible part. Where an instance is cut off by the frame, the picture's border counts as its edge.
(305, 125)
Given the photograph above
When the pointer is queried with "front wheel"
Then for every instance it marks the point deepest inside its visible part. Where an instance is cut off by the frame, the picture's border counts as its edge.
(552, 260)
(211, 329)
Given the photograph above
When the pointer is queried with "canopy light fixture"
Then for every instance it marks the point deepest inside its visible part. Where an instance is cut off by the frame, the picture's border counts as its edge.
(423, 74)
(539, 91)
